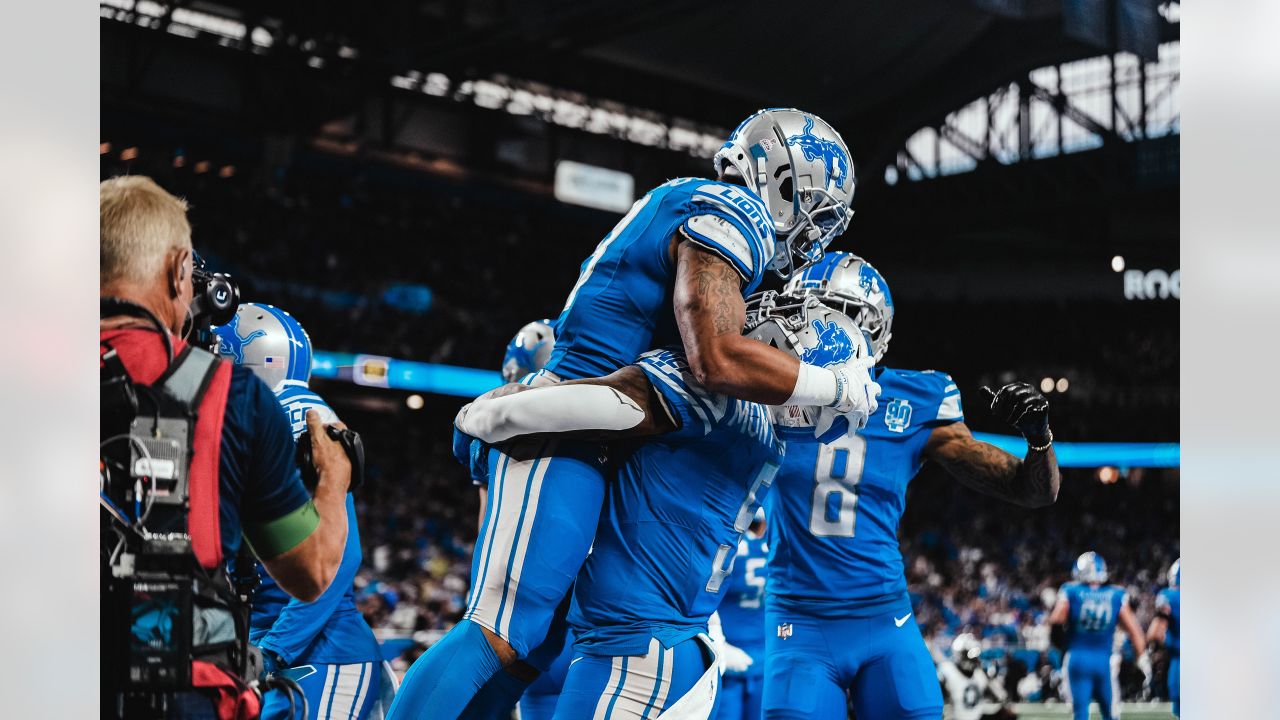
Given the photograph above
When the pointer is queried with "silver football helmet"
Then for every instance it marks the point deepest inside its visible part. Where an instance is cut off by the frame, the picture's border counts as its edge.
(800, 167)
(529, 350)
(813, 332)
(268, 341)
(851, 285)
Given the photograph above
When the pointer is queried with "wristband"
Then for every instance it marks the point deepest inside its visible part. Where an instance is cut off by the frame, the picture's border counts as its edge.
(1041, 448)
(815, 386)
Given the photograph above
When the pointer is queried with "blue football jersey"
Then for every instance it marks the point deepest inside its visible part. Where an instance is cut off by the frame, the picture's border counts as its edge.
(674, 518)
(833, 517)
(1169, 600)
(742, 610)
(1093, 613)
(331, 629)
(621, 305)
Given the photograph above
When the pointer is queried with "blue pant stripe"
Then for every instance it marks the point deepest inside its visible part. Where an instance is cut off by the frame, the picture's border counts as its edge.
(622, 681)
(495, 491)
(657, 683)
(337, 670)
(511, 560)
(355, 703)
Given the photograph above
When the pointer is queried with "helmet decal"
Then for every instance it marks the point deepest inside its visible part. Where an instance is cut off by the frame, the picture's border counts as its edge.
(231, 343)
(829, 152)
(834, 345)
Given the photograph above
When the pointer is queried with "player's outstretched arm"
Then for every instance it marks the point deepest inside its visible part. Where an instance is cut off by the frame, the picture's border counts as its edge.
(710, 313)
(623, 404)
(1031, 482)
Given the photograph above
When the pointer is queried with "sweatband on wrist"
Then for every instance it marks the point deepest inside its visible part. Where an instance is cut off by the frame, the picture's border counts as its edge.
(553, 409)
(814, 386)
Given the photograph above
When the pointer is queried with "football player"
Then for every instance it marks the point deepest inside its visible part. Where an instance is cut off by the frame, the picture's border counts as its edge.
(837, 610)
(742, 625)
(674, 272)
(966, 683)
(1165, 626)
(672, 523)
(325, 646)
(527, 353)
(1091, 610)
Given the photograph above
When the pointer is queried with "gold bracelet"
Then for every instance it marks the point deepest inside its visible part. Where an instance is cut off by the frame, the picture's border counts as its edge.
(1041, 448)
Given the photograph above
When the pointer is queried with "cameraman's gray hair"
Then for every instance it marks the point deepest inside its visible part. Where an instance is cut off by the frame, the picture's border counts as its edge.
(139, 223)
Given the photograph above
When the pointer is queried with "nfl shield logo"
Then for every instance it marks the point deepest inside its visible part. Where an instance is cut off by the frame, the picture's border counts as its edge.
(784, 630)
(897, 415)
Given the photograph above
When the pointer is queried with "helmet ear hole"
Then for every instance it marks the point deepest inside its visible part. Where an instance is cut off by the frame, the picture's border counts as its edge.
(786, 189)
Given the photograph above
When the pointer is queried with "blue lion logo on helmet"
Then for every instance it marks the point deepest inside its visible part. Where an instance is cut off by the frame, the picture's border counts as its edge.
(829, 151)
(230, 342)
(834, 345)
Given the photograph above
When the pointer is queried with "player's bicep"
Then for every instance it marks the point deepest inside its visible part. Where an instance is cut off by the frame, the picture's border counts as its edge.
(708, 297)
(723, 238)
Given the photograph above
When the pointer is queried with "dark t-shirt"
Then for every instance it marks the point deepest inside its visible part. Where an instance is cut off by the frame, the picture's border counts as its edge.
(258, 476)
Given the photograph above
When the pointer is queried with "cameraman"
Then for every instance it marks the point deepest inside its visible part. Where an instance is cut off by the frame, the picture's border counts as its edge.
(147, 262)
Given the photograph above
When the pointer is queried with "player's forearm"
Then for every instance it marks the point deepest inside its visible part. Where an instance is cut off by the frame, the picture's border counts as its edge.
(1031, 482)
(747, 369)
(620, 405)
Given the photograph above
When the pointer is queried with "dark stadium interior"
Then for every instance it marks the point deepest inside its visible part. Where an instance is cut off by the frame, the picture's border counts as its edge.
(319, 184)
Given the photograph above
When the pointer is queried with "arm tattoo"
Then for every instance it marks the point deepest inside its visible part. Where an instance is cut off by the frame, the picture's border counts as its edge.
(1032, 482)
(718, 291)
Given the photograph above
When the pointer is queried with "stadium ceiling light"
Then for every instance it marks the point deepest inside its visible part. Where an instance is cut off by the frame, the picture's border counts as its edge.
(1046, 385)
(1117, 263)
(414, 401)
(1062, 385)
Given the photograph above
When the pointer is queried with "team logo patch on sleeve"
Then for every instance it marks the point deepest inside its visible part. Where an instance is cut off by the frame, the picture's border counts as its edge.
(897, 415)
(784, 630)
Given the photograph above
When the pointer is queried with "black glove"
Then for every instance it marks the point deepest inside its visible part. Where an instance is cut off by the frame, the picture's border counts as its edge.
(1023, 407)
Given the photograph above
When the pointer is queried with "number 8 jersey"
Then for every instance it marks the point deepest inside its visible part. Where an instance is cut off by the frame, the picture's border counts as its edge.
(834, 512)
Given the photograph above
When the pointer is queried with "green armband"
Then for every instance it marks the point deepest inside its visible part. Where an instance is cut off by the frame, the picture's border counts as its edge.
(276, 537)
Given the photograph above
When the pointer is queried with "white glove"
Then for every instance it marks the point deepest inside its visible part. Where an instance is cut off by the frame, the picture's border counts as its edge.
(855, 402)
(1144, 665)
(736, 660)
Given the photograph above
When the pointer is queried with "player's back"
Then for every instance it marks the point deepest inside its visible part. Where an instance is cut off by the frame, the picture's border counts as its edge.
(1092, 617)
(833, 518)
(621, 305)
(1170, 601)
(346, 635)
(742, 609)
(673, 518)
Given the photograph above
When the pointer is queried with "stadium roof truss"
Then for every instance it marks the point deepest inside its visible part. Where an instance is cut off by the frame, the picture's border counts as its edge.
(1053, 110)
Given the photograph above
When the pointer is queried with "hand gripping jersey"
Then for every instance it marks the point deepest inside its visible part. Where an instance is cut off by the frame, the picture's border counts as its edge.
(742, 610)
(621, 304)
(674, 519)
(833, 519)
(331, 629)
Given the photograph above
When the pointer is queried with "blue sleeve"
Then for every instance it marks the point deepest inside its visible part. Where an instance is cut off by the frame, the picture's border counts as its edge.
(271, 486)
(685, 401)
(945, 398)
(734, 224)
(300, 622)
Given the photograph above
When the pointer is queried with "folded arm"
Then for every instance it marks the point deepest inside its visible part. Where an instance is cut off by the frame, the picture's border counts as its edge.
(623, 404)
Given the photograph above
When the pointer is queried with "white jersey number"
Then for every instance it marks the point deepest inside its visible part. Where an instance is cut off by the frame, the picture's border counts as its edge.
(835, 487)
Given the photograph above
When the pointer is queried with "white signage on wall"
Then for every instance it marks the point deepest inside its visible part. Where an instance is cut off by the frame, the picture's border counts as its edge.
(1152, 285)
(594, 187)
